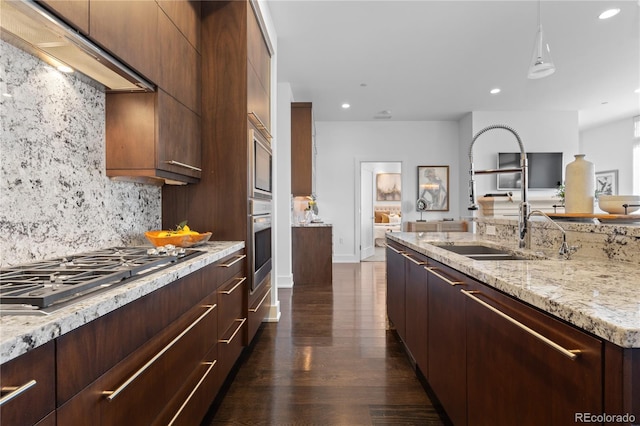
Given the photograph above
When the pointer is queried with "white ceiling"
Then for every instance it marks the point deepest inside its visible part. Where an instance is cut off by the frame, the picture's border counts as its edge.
(437, 60)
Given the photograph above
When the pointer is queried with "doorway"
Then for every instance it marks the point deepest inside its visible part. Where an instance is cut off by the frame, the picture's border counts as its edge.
(381, 192)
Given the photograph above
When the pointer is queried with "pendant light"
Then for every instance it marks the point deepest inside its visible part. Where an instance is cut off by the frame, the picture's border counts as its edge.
(541, 62)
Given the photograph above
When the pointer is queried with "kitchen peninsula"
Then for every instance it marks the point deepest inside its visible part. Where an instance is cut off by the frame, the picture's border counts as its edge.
(536, 340)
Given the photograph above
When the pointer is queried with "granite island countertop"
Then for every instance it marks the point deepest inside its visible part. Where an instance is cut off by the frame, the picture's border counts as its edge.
(22, 332)
(598, 296)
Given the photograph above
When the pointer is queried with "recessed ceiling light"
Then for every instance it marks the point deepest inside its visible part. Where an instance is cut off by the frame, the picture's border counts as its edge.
(609, 13)
(494, 91)
(637, 90)
(346, 106)
(64, 68)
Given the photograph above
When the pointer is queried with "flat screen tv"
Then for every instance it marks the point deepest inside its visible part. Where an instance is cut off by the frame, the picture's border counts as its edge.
(545, 170)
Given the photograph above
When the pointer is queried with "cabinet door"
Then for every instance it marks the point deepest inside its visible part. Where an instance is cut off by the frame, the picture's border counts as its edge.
(30, 379)
(129, 30)
(258, 72)
(447, 347)
(301, 149)
(73, 12)
(179, 146)
(396, 289)
(179, 72)
(312, 255)
(416, 300)
(516, 376)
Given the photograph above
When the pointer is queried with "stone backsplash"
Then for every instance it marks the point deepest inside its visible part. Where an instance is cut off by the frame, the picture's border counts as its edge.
(618, 242)
(55, 198)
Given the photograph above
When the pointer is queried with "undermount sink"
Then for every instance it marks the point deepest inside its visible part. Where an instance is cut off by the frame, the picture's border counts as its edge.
(481, 252)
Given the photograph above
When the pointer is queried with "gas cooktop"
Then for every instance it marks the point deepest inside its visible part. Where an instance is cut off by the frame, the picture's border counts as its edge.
(49, 282)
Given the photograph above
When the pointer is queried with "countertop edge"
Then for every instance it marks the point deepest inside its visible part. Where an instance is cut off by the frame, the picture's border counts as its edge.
(21, 333)
(537, 280)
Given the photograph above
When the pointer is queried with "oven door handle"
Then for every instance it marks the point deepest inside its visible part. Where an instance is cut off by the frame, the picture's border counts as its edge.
(262, 223)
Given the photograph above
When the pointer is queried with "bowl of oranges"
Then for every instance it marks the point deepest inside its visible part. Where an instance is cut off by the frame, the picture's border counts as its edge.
(182, 236)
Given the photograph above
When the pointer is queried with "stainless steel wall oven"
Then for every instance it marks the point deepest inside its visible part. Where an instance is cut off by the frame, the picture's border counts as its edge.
(260, 166)
(260, 244)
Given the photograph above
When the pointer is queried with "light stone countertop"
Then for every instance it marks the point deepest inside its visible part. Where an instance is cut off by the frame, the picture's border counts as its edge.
(312, 225)
(599, 296)
(20, 333)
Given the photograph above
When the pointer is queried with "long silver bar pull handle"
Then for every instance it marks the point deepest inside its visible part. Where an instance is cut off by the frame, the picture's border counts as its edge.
(442, 277)
(15, 391)
(238, 259)
(183, 165)
(252, 310)
(186, 401)
(112, 394)
(395, 249)
(572, 354)
(232, 289)
(230, 339)
(417, 262)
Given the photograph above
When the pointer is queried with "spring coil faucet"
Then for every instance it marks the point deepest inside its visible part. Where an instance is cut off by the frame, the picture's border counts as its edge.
(524, 206)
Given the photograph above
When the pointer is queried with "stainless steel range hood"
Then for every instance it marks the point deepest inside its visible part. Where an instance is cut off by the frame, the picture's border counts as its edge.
(30, 27)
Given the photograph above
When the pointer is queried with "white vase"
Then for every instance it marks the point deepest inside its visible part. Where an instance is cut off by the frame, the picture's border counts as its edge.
(580, 186)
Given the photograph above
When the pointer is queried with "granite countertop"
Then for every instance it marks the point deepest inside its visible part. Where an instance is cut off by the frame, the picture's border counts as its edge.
(20, 333)
(599, 296)
(312, 225)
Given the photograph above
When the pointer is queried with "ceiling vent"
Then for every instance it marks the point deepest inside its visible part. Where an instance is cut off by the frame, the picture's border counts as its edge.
(383, 115)
(32, 28)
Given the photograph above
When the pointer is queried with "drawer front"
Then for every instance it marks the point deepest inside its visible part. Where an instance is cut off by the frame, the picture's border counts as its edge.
(192, 402)
(85, 354)
(228, 267)
(231, 300)
(151, 376)
(258, 310)
(230, 345)
(29, 384)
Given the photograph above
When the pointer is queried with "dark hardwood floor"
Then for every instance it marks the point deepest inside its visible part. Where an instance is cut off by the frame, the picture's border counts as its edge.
(331, 360)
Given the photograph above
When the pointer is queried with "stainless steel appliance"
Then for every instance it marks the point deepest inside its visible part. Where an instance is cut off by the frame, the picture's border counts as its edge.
(54, 282)
(260, 244)
(260, 166)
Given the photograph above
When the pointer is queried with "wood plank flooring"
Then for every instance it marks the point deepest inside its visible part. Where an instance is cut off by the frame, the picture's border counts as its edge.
(331, 360)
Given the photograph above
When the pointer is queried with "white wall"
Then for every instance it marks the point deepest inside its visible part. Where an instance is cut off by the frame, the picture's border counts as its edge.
(610, 147)
(343, 145)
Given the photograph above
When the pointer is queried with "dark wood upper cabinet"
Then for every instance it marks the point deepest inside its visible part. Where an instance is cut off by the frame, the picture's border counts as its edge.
(302, 149)
(179, 62)
(74, 12)
(129, 30)
(258, 73)
(152, 136)
(185, 15)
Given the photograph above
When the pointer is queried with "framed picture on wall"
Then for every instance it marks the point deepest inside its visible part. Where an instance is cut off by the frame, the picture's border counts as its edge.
(433, 187)
(607, 182)
(388, 187)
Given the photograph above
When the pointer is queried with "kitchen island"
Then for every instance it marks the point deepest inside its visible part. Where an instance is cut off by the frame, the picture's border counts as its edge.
(537, 340)
(98, 359)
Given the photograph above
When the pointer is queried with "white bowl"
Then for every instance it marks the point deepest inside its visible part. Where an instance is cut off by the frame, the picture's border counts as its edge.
(612, 204)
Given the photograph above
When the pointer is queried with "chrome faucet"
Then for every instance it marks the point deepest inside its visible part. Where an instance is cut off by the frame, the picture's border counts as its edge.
(524, 206)
(565, 251)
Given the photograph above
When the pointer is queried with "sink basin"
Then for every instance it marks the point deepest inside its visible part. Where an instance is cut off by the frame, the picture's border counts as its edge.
(480, 252)
(474, 250)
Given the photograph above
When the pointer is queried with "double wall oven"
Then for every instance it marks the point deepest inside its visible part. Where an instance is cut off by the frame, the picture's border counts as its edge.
(260, 207)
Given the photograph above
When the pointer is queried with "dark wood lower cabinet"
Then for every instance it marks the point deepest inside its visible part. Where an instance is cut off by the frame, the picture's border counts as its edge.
(447, 372)
(312, 253)
(494, 360)
(514, 376)
(29, 382)
(416, 301)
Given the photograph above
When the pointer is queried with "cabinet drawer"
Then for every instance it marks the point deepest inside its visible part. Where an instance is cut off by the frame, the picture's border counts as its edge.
(29, 384)
(258, 309)
(151, 376)
(86, 353)
(228, 267)
(230, 299)
(230, 345)
(192, 402)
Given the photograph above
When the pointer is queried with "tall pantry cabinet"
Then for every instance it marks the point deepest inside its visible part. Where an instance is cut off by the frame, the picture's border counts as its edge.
(235, 95)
